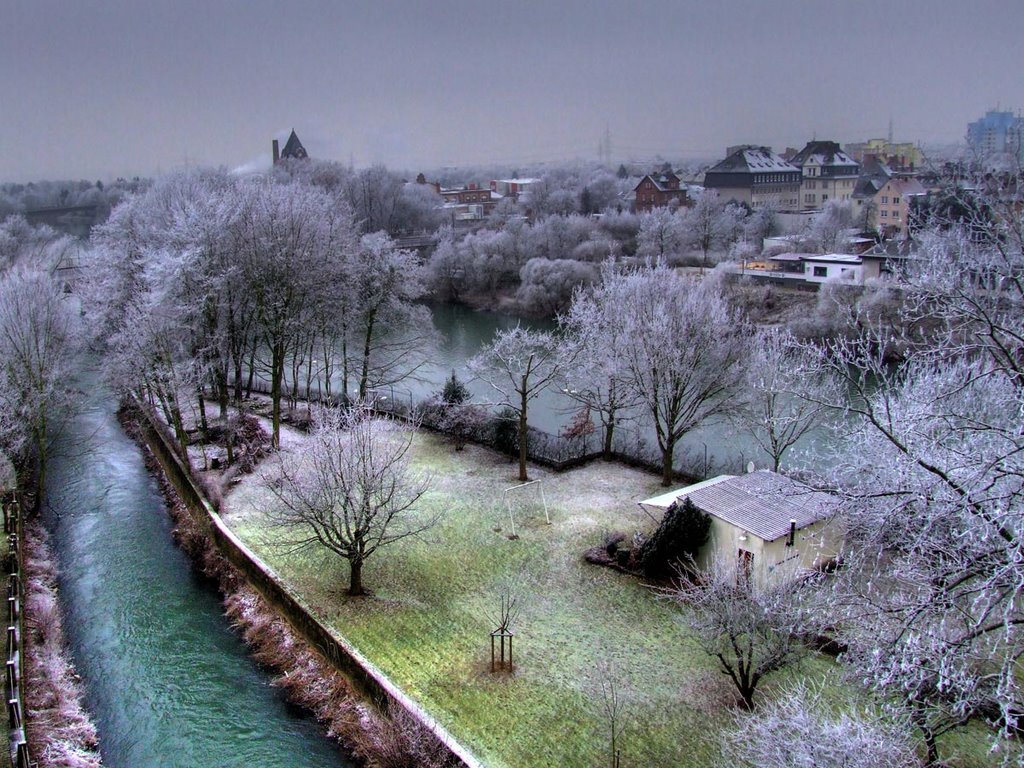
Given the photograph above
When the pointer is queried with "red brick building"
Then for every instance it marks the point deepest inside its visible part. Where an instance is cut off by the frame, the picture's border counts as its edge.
(657, 190)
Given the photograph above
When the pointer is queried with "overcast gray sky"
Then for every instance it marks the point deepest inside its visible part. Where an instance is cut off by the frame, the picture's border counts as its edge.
(96, 89)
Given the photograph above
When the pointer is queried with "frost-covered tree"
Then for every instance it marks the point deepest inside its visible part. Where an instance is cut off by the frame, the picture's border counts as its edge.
(353, 490)
(38, 342)
(685, 351)
(662, 234)
(785, 394)
(749, 628)
(929, 602)
(827, 230)
(710, 224)
(288, 235)
(800, 728)
(547, 285)
(388, 332)
(594, 372)
(518, 364)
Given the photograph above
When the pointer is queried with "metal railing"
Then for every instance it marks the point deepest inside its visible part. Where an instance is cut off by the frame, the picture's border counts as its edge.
(13, 690)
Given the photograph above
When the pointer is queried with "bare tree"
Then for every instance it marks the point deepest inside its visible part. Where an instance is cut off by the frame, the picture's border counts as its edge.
(387, 332)
(683, 361)
(353, 491)
(595, 370)
(37, 347)
(613, 708)
(929, 602)
(518, 364)
(748, 627)
(785, 394)
(798, 728)
(711, 223)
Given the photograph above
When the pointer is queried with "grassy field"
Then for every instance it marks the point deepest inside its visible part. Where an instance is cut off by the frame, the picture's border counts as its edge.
(428, 620)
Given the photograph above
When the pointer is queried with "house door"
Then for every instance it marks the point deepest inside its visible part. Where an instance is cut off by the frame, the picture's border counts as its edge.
(744, 566)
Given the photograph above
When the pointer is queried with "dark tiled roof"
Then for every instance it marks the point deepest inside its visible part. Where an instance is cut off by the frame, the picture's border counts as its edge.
(828, 152)
(293, 149)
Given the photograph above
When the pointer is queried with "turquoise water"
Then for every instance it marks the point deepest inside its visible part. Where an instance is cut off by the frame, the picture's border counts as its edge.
(168, 682)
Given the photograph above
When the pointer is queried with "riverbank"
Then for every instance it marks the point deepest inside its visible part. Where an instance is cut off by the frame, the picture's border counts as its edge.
(379, 738)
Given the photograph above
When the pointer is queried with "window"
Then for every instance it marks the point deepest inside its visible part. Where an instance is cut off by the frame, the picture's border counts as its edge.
(885, 214)
(895, 201)
(821, 271)
(885, 199)
(808, 198)
(824, 198)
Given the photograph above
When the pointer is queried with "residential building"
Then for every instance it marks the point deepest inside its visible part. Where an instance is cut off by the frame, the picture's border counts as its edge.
(812, 269)
(763, 524)
(874, 174)
(757, 177)
(899, 156)
(470, 202)
(657, 190)
(514, 188)
(828, 173)
(997, 133)
(891, 205)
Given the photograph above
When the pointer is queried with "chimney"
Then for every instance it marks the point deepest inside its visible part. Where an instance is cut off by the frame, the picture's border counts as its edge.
(792, 533)
(277, 152)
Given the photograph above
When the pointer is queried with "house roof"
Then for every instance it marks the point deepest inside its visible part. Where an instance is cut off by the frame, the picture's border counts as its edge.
(762, 503)
(753, 160)
(833, 258)
(908, 187)
(824, 153)
(293, 148)
(660, 180)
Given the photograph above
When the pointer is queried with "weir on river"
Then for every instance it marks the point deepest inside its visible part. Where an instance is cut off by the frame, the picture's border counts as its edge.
(167, 680)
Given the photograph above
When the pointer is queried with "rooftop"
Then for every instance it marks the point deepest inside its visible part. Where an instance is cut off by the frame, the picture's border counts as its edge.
(762, 503)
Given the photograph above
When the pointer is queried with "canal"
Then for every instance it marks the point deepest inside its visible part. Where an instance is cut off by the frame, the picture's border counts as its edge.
(167, 680)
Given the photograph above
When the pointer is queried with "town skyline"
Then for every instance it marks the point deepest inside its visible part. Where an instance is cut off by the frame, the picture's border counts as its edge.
(100, 90)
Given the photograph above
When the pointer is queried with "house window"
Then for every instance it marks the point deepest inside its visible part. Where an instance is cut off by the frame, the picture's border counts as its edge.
(824, 198)
(895, 201)
(885, 199)
(821, 271)
(885, 214)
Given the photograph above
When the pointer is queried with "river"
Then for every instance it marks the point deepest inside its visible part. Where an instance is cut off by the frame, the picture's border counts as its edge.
(167, 680)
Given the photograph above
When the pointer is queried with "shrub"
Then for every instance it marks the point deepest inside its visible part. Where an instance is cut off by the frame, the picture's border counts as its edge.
(454, 392)
(506, 432)
(683, 531)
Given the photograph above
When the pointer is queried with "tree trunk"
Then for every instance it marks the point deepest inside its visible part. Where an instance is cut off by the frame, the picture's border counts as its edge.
(276, 378)
(609, 430)
(203, 425)
(355, 578)
(667, 460)
(522, 438)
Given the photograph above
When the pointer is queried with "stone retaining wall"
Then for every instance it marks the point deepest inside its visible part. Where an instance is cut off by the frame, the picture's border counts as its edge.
(367, 678)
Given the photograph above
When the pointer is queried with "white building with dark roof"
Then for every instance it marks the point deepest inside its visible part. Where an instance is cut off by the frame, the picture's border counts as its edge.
(764, 523)
(828, 174)
(757, 177)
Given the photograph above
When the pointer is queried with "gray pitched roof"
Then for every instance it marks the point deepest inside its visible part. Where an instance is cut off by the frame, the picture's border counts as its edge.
(752, 160)
(762, 503)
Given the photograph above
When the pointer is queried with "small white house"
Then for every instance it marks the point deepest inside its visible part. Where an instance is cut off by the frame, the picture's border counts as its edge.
(765, 523)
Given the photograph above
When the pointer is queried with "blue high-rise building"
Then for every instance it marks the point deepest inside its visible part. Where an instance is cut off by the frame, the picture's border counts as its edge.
(997, 133)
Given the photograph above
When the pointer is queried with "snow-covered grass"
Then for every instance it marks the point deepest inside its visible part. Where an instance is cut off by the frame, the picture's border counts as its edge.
(427, 622)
